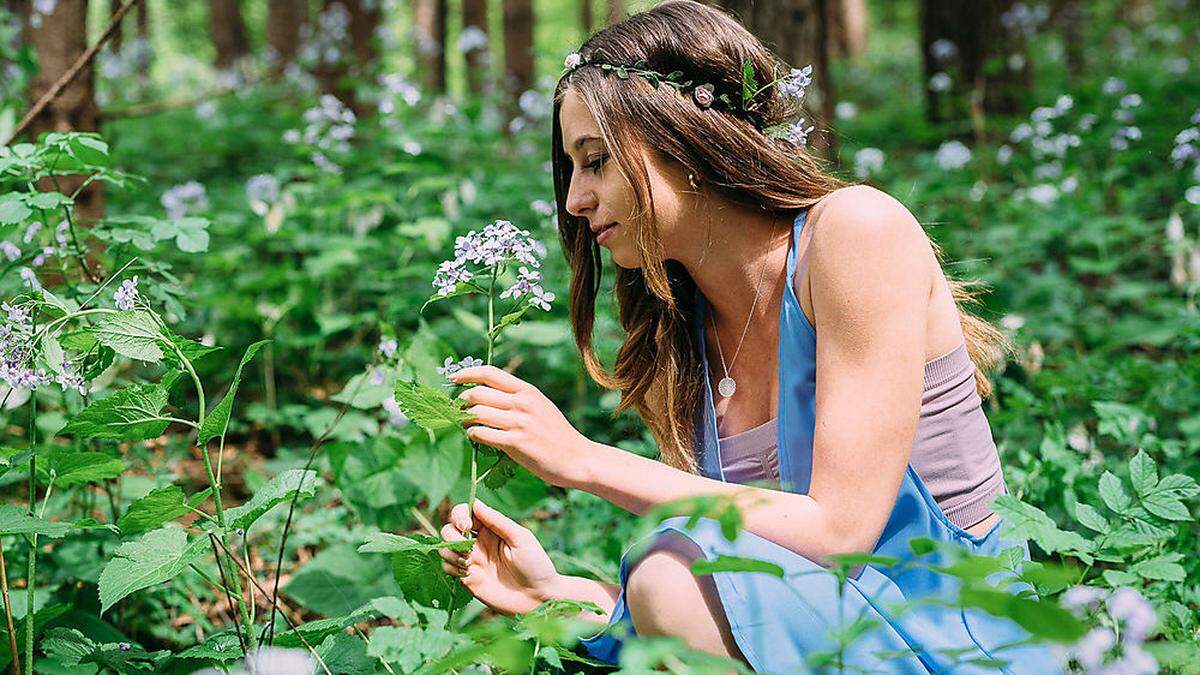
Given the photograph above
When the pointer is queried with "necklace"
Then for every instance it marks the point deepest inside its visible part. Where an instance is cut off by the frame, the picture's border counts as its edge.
(727, 386)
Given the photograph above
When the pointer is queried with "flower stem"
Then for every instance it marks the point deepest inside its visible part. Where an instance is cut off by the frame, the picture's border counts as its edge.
(31, 576)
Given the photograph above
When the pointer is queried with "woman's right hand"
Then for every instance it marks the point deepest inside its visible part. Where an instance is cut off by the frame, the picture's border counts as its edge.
(507, 568)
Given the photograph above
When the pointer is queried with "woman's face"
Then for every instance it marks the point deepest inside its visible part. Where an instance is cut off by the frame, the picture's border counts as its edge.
(601, 195)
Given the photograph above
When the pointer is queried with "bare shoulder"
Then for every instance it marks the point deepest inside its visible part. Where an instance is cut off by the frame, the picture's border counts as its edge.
(867, 246)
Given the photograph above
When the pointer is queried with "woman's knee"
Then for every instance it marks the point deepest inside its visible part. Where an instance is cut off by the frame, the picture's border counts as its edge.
(661, 590)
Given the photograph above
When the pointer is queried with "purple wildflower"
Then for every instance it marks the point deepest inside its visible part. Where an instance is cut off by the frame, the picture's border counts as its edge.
(30, 278)
(127, 295)
(794, 84)
(449, 367)
(10, 250)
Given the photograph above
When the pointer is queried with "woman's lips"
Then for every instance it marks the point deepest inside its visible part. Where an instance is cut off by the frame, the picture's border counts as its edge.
(605, 232)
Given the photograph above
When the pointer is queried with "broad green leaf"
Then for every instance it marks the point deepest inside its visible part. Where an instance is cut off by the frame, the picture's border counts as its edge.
(222, 647)
(89, 150)
(1163, 567)
(132, 334)
(1143, 474)
(410, 646)
(193, 235)
(158, 556)
(48, 200)
(158, 507)
(13, 210)
(73, 648)
(1166, 506)
(77, 468)
(1089, 517)
(338, 582)
(279, 489)
(1179, 485)
(420, 575)
(346, 654)
(729, 563)
(15, 519)
(386, 542)
(218, 418)
(431, 409)
(1113, 493)
(130, 414)
(1043, 619)
(1028, 521)
(435, 465)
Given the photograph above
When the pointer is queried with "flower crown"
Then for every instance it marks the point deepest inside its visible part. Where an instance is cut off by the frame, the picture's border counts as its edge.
(792, 85)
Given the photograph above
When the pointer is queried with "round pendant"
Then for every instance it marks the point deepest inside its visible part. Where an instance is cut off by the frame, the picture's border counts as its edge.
(727, 386)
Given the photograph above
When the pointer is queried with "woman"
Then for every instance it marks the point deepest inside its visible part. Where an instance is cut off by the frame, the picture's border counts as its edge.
(734, 251)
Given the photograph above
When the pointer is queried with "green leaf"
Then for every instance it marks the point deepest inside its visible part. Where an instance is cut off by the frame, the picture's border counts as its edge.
(218, 418)
(1043, 619)
(360, 393)
(749, 83)
(338, 581)
(730, 563)
(132, 334)
(410, 646)
(1113, 493)
(158, 556)
(193, 235)
(77, 468)
(193, 351)
(510, 319)
(1089, 517)
(420, 575)
(127, 414)
(279, 489)
(48, 200)
(1166, 506)
(72, 648)
(1179, 485)
(13, 210)
(158, 507)
(89, 150)
(1163, 567)
(15, 519)
(386, 542)
(431, 409)
(1143, 474)
(1026, 520)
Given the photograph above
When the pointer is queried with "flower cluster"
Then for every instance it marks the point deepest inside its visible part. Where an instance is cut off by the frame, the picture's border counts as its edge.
(329, 128)
(16, 349)
(262, 191)
(529, 283)
(449, 367)
(1187, 148)
(395, 87)
(186, 199)
(323, 39)
(1100, 651)
(796, 81)
(1048, 146)
(952, 155)
(126, 296)
(497, 243)
(867, 162)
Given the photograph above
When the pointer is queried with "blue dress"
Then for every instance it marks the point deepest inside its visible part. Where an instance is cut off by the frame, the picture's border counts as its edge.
(779, 624)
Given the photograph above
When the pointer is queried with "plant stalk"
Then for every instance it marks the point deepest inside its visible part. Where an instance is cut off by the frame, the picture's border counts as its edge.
(8, 619)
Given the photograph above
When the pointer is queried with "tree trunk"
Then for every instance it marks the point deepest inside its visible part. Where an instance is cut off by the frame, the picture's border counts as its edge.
(228, 32)
(585, 13)
(1070, 18)
(59, 38)
(118, 37)
(616, 11)
(848, 26)
(475, 15)
(284, 20)
(518, 52)
(429, 29)
(798, 32)
(973, 63)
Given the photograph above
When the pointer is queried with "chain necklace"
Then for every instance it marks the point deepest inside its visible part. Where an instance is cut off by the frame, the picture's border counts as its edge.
(727, 386)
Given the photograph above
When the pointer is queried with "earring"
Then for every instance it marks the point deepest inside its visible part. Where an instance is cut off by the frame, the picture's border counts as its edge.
(692, 181)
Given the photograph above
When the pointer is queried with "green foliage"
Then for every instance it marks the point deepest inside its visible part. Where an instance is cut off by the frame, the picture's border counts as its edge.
(159, 555)
(428, 407)
(135, 335)
(286, 486)
(217, 420)
(158, 507)
(15, 519)
(132, 413)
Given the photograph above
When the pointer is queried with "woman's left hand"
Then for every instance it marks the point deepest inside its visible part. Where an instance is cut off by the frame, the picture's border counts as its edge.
(513, 416)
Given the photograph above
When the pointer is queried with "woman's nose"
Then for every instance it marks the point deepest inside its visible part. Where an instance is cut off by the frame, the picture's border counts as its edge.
(579, 199)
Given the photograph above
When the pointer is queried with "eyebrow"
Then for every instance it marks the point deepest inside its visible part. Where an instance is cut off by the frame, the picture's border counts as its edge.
(585, 138)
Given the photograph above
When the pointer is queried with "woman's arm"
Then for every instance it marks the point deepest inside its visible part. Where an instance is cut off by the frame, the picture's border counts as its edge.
(871, 280)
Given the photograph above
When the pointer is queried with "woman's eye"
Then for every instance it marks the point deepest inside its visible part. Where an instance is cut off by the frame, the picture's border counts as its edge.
(595, 164)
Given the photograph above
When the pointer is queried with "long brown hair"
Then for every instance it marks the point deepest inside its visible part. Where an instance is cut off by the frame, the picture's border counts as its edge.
(658, 368)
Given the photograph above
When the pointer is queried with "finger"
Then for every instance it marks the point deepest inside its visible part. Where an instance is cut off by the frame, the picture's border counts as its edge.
(460, 517)
(484, 395)
(453, 570)
(450, 532)
(453, 557)
(488, 416)
(490, 376)
(494, 438)
(507, 528)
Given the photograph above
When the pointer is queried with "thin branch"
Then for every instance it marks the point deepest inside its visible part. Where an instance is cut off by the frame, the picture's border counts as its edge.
(287, 526)
(84, 59)
(291, 624)
(212, 538)
(12, 633)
